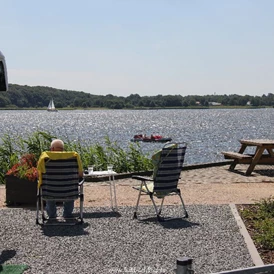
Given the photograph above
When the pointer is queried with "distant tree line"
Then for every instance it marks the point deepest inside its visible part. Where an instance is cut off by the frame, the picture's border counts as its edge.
(20, 96)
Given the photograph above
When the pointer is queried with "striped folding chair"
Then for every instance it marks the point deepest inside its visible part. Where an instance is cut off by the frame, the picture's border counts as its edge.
(60, 183)
(165, 178)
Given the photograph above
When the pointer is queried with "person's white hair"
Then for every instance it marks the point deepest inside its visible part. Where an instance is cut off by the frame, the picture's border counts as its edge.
(57, 144)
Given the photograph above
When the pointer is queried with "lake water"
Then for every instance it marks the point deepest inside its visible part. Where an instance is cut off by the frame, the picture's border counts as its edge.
(207, 132)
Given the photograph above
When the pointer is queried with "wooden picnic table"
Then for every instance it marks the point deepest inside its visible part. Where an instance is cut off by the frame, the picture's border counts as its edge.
(259, 157)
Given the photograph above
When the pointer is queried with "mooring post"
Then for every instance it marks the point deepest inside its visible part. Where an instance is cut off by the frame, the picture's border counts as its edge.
(184, 266)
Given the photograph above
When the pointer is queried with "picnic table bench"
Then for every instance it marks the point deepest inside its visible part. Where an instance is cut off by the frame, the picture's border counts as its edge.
(252, 159)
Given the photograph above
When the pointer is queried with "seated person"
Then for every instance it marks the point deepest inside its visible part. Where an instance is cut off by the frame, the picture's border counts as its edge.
(57, 145)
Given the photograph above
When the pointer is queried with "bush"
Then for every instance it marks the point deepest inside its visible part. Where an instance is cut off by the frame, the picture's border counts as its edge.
(128, 160)
(261, 220)
(265, 233)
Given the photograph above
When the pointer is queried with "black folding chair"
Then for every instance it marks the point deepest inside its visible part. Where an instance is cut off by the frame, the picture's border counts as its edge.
(166, 178)
(60, 183)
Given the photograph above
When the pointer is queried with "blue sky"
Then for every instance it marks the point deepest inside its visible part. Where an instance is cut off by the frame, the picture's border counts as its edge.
(148, 47)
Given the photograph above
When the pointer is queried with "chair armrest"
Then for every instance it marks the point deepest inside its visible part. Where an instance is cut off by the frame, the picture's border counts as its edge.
(142, 178)
(81, 182)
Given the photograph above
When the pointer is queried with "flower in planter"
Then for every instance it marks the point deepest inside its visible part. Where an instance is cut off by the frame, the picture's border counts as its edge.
(25, 169)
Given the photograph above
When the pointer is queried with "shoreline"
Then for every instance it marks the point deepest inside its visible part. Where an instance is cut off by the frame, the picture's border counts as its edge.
(139, 108)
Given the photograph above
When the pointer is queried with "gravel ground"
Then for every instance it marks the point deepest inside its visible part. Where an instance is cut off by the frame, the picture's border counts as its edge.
(115, 243)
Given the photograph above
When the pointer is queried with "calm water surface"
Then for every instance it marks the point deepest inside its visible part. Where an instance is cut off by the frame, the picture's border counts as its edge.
(207, 132)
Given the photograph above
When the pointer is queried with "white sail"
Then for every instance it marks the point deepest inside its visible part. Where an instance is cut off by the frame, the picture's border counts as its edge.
(51, 106)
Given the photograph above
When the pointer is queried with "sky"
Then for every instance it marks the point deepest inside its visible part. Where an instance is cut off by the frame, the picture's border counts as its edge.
(145, 47)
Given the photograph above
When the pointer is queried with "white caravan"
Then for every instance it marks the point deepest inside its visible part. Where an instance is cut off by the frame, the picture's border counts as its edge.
(3, 73)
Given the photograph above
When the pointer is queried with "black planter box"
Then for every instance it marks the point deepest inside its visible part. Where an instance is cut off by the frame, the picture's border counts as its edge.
(20, 191)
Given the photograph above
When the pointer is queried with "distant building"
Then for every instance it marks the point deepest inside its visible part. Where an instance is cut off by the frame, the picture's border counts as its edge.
(214, 104)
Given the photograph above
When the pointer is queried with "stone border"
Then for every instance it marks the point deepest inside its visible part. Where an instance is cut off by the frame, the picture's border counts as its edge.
(250, 245)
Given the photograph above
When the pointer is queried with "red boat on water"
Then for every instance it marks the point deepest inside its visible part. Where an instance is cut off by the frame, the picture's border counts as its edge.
(151, 138)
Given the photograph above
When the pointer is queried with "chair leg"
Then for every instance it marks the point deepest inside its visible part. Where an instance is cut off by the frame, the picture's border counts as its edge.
(155, 206)
(81, 207)
(183, 204)
(42, 210)
(37, 208)
(138, 200)
(160, 210)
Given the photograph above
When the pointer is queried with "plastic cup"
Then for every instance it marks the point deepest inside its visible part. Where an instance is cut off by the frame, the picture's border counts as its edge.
(90, 169)
(110, 167)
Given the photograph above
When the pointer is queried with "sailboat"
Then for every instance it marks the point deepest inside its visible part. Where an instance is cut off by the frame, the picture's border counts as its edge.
(51, 106)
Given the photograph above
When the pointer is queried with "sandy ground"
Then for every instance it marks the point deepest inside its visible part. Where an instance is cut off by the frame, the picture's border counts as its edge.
(212, 185)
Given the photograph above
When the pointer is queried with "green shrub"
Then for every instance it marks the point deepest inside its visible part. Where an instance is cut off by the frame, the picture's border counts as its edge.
(130, 159)
(260, 218)
(264, 235)
(266, 206)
